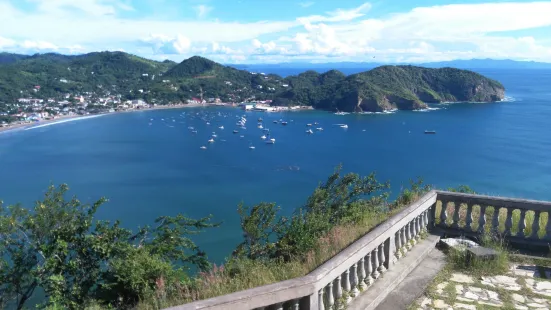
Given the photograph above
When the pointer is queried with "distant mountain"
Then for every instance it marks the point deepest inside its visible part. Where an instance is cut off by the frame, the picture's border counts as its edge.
(489, 64)
(133, 77)
(389, 87)
(357, 66)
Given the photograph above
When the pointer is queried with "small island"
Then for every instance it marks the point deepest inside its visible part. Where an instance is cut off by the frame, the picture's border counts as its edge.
(56, 85)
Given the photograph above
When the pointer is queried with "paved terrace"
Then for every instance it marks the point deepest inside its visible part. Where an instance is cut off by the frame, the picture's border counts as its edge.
(398, 258)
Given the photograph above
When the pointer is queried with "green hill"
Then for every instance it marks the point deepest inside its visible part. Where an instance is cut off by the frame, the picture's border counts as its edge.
(133, 77)
(8, 58)
(105, 72)
(389, 87)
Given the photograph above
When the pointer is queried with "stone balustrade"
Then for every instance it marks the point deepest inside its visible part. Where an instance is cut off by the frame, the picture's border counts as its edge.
(358, 267)
(342, 278)
(519, 221)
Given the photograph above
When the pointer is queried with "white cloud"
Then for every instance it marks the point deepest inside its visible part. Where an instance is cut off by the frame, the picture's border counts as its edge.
(38, 45)
(88, 7)
(306, 4)
(202, 10)
(440, 32)
(166, 45)
(6, 43)
(338, 15)
(97, 24)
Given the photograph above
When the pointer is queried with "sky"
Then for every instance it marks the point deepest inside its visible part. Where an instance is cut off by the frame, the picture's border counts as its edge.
(275, 31)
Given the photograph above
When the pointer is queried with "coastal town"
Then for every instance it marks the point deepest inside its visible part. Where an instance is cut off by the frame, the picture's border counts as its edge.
(32, 110)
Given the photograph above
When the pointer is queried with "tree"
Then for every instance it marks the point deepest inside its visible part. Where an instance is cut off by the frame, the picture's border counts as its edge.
(342, 198)
(59, 247)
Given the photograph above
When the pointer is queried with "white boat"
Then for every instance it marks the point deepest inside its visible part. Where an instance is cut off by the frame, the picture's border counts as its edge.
(235, 131)
(344, 126)
(272, 140)
(263, 137)
(214, 136)
(251, 147)
(211, 140)
(208, 123)
(316, 123)
(309, 131)
(241, 136)
(319, 129)
(342, 113)
(221, 127)
(194, 131)
(260, 126)
(275, 122)
(308, 125)
(203, 148)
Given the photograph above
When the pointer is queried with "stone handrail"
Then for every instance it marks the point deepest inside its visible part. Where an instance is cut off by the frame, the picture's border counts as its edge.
(344, 276)
(508, 217)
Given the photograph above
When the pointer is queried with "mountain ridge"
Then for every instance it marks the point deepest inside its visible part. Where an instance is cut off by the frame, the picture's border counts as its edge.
(132, 77)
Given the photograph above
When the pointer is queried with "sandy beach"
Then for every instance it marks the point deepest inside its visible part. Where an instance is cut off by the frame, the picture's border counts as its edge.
(25, 125)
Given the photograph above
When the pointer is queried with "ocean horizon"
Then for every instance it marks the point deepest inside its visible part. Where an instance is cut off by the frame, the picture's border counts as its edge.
(149, 163)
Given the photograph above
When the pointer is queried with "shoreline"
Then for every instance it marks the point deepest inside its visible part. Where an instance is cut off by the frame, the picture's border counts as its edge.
(24, 126)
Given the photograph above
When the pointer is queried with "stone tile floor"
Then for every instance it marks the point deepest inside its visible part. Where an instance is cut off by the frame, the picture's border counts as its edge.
(524, 287)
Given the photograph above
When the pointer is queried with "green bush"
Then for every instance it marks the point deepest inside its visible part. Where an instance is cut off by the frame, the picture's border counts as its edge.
(59, 248)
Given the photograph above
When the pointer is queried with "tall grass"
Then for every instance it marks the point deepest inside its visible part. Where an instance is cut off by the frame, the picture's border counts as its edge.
(241, 274)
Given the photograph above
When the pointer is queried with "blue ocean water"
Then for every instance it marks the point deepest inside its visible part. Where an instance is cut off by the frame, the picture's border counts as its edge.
(151, 170)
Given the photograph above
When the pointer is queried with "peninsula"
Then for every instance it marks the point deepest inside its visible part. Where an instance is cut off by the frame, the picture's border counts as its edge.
(108, 81)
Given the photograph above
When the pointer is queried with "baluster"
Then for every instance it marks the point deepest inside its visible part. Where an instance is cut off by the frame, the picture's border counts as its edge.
(536, 225)
(354, 280)
(428, 217)
(369, 270)
(522, 224)
(295, 304)
(456, 206)
(403, 239)
(413, 231)
(338, 291)
(346, 285)
(279, 306)
(469, 219)
(548, 226)
(375, 264)
(426, 220)
(382, 258)
(330, 296)
(508, 222)
(408, 236)
(397, 240)
(482, 220)
(495, 220)
(418, 227)
(444, 213)
(431, 217)
(361, 274)
(321, 305)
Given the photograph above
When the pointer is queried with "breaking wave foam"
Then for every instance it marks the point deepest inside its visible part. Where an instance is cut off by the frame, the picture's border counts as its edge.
(63, 121)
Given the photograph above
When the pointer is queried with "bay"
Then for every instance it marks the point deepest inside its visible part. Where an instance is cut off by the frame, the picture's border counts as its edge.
(151, 170)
